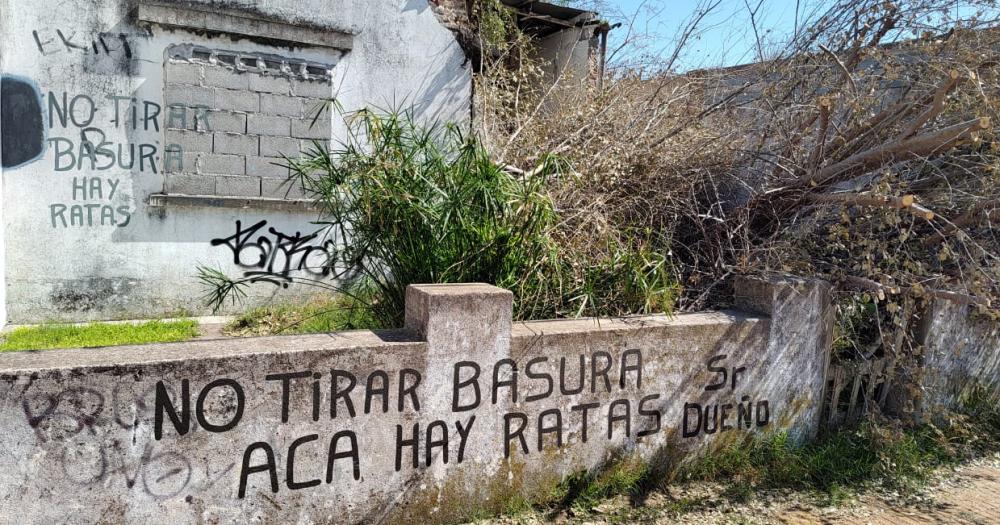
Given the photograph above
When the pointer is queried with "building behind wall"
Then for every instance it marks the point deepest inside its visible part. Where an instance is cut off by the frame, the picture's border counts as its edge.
(144, 139)
(571, 43)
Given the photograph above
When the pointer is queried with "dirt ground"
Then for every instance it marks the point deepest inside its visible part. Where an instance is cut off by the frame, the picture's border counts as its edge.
(968, 494)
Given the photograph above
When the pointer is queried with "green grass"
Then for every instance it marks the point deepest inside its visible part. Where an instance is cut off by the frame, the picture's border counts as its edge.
(585, 490)
(318, 316)
(890, 456)
(51, 336)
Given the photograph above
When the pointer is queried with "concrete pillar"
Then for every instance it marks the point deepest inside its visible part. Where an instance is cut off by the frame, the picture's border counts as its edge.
(468, 329)
(462, 323)
(957, 355)
(801, 330)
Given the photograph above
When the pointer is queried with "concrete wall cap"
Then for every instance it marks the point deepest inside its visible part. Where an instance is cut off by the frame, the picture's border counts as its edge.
(77, 360)
(458, 289)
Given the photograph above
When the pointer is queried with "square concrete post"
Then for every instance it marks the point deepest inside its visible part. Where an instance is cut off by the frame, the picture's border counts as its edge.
(468, 330)
(462, 323)
(476, 317)
(802, 321)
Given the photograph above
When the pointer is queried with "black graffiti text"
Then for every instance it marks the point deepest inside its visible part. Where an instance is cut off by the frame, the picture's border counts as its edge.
(342, 447)
(411, 441)
(625, 419)
(223, 399)
(82, 213)
(706, 418)
(604, 373)
(272, 258)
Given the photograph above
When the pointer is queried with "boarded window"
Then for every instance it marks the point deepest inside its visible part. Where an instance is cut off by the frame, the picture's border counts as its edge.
(234, 119)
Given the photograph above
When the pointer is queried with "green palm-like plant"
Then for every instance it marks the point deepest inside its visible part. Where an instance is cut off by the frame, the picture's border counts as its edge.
(426, 204)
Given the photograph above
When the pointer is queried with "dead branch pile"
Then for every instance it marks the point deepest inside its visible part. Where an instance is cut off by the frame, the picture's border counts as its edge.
(860, 153)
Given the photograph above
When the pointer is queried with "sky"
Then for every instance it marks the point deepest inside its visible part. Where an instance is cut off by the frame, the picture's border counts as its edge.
(726, 36)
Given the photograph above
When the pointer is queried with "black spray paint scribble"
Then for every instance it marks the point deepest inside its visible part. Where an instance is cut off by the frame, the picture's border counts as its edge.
(272, 258)
(70, 421)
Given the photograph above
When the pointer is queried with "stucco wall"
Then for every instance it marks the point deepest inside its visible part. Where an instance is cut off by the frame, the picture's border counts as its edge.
(569, 57)
(454, 414)
(3, 245)
(100, 251)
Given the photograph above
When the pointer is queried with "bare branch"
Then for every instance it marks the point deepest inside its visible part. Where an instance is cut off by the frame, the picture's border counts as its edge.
(937, 104)
(861, 283)
(843, 69)
(917, 146)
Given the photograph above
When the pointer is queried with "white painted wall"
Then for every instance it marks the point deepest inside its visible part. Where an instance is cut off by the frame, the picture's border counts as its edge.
(3, 243)
(401, 56)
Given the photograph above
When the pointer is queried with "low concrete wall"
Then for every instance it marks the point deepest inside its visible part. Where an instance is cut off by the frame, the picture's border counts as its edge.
(456, 413)
(960, 353)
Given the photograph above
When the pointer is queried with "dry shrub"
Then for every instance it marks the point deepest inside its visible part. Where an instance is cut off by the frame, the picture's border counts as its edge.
(861, 152)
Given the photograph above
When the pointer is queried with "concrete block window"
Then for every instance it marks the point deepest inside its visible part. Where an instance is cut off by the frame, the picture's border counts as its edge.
(232, 117)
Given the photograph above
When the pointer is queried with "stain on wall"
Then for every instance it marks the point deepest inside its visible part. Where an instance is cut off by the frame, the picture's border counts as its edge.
(91, 293)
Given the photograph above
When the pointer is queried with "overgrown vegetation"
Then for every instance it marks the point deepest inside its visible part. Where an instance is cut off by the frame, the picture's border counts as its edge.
(415, 204)
(894, 457)
(859, 150)
(51, 336)
(878, 453)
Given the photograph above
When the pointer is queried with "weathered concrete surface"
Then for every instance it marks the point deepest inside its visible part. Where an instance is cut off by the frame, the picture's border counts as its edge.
(801, 331)
(959, 354)
(456, 413)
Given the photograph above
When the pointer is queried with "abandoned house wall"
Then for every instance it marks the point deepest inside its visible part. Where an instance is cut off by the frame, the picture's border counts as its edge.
(3, 237)
(145, 139)
(459, 412)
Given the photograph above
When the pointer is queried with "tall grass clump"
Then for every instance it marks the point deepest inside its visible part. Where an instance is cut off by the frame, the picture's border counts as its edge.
(409, 203)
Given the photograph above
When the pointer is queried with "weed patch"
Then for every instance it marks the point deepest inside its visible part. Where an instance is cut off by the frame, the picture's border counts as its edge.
(317, 316)
(416, 204)
(882, 453)
(584, 490)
